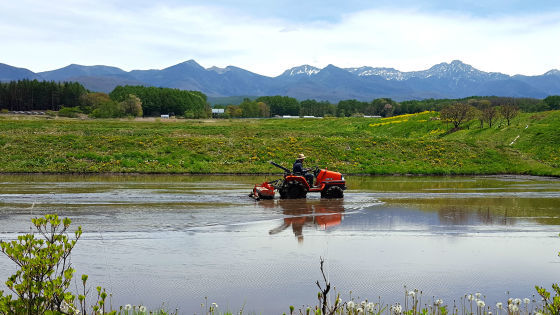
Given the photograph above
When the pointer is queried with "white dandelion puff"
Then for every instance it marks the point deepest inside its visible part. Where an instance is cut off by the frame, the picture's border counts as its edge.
(396, 309)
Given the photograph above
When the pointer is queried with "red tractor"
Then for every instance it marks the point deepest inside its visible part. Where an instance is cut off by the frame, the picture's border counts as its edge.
(330, 184)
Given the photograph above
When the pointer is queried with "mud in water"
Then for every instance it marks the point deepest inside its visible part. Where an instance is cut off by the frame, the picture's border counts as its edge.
(178, 239)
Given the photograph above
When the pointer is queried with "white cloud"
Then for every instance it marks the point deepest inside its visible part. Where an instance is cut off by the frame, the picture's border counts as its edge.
(47, 35)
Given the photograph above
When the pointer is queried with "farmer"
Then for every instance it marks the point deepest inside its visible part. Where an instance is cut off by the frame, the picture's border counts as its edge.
(299, 170)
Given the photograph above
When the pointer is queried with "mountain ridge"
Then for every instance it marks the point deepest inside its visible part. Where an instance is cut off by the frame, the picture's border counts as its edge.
(443, 80)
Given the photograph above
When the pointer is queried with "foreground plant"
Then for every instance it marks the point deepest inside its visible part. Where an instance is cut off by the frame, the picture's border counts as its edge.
(45, 273)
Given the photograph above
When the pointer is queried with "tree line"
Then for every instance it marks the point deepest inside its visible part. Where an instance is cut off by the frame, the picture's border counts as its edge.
(157, 101)
(26, 95)
(71, 98)
(270, 106)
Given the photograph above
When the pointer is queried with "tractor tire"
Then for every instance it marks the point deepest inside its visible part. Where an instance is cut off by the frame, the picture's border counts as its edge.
(293, 190)
(332, 192)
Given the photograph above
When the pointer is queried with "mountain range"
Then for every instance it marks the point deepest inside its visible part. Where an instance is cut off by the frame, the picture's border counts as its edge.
(444, 80)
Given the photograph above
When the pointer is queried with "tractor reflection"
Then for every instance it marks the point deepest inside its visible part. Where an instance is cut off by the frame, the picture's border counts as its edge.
(322, 214)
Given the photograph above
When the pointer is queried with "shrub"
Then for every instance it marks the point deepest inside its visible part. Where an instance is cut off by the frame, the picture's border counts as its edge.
(69, 112)
(45, 272)
(108, 109)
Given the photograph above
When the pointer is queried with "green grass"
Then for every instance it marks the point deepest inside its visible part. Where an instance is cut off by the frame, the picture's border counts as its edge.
(414, 144)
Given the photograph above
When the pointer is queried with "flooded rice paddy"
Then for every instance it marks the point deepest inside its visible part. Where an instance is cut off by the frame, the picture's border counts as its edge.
(178, 239)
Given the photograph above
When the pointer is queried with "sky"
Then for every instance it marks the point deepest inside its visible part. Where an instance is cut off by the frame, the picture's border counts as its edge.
(268, 37)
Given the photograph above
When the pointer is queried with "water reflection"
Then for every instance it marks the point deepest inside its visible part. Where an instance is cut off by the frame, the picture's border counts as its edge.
(321, 214)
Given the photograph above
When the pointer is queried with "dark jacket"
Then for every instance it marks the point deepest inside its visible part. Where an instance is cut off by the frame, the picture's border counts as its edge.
(298, 167)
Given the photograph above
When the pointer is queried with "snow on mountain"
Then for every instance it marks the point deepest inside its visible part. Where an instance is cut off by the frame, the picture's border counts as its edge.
(217, 69)
(553, 72)
(301, 70)
(456, 69)
(387, 73)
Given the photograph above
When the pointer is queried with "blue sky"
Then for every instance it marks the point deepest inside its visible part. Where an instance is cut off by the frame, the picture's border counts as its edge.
(267, 37)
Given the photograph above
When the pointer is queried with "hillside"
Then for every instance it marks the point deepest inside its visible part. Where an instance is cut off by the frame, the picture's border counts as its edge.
(407, 144)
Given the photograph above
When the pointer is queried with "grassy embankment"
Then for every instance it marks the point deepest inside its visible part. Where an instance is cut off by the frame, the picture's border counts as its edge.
(408, 144)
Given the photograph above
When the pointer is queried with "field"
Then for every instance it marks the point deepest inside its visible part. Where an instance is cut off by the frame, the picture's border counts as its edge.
(407, 144)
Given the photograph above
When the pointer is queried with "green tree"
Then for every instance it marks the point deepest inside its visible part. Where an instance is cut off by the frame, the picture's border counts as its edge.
(281, 105)
(553, 101)
(91, 101)
(132, 106)
(233, 111)
(317, 109)
(156, 101)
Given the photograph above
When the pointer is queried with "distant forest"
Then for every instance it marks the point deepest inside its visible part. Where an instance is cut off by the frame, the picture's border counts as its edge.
(267, 106)
(27, 95)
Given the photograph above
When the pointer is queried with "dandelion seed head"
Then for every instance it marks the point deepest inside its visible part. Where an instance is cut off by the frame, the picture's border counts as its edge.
(517, 301)
(513, 308)
(499, 305)
(480, 303)
(412, 293)
(438, 302)
(350, 304)
(142, 308)
(526, 301)
(127, 307)
(477, 294)
(396, 309)
(359, 310)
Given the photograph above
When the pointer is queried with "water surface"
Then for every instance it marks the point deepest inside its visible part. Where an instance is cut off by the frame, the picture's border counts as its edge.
(179, 239)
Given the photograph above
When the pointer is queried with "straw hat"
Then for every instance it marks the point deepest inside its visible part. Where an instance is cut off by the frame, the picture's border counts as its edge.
(301, 156)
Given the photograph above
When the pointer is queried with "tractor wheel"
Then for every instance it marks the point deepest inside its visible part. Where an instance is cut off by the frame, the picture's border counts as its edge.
(332, 192)
(293, 190)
